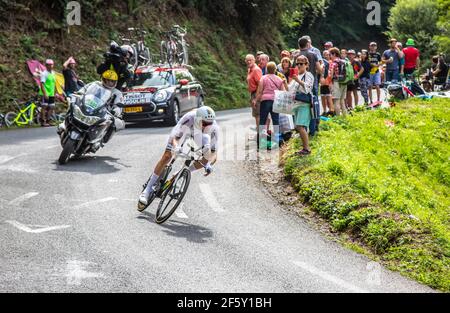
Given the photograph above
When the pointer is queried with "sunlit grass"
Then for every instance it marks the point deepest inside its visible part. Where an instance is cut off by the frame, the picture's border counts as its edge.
(384, 177)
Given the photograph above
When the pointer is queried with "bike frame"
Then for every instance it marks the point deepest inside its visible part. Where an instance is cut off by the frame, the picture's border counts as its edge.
(26, 115)
(189, 157)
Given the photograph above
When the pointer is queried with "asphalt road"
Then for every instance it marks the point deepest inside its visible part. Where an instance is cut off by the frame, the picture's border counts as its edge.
(75, 228)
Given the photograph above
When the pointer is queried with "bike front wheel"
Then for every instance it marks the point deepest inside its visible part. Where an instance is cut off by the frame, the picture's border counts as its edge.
(173, 196)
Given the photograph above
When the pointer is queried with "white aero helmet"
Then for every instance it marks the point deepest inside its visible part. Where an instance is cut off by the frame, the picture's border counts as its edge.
(205, 116)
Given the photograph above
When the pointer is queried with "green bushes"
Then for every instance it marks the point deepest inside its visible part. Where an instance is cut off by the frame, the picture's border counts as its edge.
(386, 186)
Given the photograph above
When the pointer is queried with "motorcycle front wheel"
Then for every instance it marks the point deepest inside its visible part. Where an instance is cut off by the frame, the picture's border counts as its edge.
(68, 149)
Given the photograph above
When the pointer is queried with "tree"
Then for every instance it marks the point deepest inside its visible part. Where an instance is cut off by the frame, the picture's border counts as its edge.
(443, 39)
(415, 19)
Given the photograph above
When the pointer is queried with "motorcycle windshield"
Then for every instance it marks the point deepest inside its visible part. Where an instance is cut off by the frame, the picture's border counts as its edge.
(95, 98)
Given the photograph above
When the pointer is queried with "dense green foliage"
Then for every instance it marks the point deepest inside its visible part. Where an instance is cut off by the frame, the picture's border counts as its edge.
(343, 22)
(416, 19)
(383, 177)
(443, 35)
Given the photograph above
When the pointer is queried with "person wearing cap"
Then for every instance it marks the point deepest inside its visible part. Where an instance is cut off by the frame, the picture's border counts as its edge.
(412, 57)
(328, 45)
(71, 81)
(391, 58)
(375, 74)
(47, 92)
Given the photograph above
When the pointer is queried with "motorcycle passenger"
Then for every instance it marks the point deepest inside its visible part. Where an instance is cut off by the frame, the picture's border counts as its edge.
(119, 59)
(199, 124)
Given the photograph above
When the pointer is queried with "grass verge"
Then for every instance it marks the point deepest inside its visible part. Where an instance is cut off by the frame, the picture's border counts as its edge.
(383, 178)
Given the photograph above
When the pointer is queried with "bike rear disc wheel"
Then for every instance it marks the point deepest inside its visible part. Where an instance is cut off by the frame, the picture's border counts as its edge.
(172, 197)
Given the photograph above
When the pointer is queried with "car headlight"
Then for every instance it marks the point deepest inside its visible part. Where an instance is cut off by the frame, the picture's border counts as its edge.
(88, 120)
(160, 96)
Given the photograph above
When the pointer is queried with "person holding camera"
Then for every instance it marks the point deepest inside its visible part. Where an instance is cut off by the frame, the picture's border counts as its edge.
(118, 58)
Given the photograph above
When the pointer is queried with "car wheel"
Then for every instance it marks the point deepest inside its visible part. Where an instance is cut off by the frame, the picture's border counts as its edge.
(201, 102)
(174, 114)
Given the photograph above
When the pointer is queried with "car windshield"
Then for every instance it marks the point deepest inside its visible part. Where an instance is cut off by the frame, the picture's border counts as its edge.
(153, 79)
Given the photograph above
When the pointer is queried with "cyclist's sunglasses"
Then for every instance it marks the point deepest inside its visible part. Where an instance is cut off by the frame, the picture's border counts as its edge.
(206, 124)
(300, 64)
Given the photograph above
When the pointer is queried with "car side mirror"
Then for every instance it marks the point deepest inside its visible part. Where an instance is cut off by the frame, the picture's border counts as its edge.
(184, 82)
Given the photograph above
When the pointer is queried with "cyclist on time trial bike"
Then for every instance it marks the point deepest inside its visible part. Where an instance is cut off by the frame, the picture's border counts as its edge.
(199, 124)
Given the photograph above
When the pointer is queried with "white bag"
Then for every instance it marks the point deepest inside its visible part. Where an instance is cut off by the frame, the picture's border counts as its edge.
(286, 123)
(284, 102)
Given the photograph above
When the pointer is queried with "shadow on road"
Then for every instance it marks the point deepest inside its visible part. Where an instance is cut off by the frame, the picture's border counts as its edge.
(92, 164)
(192, 233)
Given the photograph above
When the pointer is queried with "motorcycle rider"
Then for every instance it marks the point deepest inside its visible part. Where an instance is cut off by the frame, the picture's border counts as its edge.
(109, 81)
(118, 58)
(201, 125)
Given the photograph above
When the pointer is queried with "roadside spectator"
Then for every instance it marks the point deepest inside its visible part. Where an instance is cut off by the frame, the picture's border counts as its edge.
(263, 60)
(344, 55)
(71, 81)
(375, 73)
(285, 54)
(402, 60)
(265, 95)
(391, 58)
(364, 79)
(285, 68)
(258, 57)
(303, 82)
(412, 57)
(325, 87)
(47, 92)
(440, 70)
(314, 49)
(352, 87)
(328, 45)
(339, 91)
(315, 69)
(254, 75)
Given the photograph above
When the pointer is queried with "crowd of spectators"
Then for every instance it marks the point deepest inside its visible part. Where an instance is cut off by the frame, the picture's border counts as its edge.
(325, 76)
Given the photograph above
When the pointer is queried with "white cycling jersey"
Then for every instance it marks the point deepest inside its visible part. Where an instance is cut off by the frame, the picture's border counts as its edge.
(185, 129)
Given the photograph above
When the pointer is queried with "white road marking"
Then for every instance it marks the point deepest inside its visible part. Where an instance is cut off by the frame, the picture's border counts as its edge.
(76, 272)
(326, 276)
(21, 199)
(21, 168)
(7, 158)
(211, 198)
(37, 228)
(180, 212)
(53, 147)
(86, 204)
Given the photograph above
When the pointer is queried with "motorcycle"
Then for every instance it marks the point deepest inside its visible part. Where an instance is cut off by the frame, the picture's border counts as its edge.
(86, 124)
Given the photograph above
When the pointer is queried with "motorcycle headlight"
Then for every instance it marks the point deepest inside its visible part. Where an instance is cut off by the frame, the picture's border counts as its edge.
(160, 96)
(88, 120)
